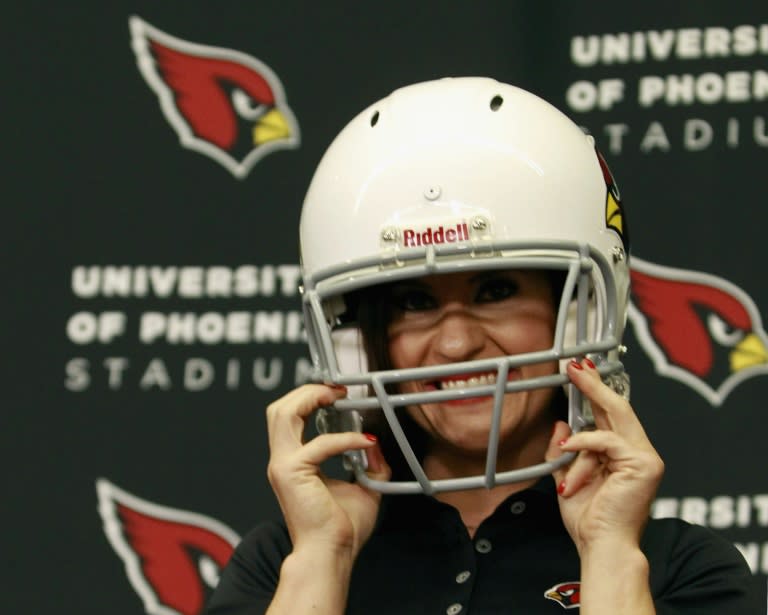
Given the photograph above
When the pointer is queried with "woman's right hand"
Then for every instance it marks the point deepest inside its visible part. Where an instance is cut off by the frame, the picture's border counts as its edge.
(323, 515)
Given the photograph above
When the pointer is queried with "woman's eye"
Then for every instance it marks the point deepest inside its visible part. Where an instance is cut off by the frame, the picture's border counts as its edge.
(497, 290)
(413, 301)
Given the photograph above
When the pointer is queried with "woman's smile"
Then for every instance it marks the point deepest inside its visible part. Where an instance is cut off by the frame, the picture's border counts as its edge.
(467, 382)
(472, 316)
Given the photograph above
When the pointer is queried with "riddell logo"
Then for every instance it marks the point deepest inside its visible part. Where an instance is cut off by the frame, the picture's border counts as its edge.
(430, 236)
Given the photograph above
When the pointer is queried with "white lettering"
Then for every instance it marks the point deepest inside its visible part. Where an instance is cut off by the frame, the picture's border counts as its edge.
(585, 50)
(733, 132)
(616, 134)
(616, 48)
(660, 43)
(761, 137)
(720, 512)
(194, 374)
(87, 327)
(707, 88)
(198, 374)
(186, 282)
(78, 378)
(697, 135)
(266, 380)
(744, 40)
(156, 375)
(688, 43)
(233, 374)
(716, 42)
(191, 282)
(220, 328)
(85, 281)
(756, 555)
(660, 46)
(694, 134)
(655, 138)
(650, 90)
(116, 282)
(115, 367)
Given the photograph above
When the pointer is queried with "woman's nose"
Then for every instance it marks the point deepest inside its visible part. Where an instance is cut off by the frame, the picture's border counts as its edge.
(458, 335)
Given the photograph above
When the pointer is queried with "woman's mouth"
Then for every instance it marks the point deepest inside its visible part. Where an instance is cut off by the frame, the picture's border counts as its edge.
(465, 382)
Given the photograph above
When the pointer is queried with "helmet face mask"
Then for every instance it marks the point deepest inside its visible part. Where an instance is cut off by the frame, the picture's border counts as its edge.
(460, 175)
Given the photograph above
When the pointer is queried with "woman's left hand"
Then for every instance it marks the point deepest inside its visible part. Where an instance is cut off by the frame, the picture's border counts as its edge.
(607, 491)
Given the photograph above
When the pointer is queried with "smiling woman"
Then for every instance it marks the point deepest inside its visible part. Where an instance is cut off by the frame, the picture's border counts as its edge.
(478, 396)
(464, 316)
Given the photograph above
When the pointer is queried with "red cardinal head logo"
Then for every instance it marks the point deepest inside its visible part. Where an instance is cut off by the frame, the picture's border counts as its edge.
(221, 102)
(565, 594)
(697, 328)
(172, 557)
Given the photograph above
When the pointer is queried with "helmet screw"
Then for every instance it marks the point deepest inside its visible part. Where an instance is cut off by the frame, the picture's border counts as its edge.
(479, 223)
(432, 193)
(618, 254)
(389, 234)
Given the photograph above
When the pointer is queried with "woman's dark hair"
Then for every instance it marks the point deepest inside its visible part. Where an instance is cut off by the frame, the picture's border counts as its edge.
(373, 314)
(373, 309)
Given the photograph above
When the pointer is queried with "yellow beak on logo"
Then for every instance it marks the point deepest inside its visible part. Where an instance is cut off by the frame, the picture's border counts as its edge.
(748, 352)
(614, 216)
(270, 127)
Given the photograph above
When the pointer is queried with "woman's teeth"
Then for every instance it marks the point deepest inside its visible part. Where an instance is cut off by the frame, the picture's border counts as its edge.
(474, 381)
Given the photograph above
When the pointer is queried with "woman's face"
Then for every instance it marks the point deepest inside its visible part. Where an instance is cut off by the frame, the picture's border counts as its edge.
(464, 316)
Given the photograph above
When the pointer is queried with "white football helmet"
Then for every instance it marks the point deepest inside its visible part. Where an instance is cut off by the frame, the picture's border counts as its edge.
(461, 174)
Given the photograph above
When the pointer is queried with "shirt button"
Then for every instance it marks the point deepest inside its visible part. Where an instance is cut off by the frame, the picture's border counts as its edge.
(454, 609)
(483, 546)
(462, 576)
(517, 508)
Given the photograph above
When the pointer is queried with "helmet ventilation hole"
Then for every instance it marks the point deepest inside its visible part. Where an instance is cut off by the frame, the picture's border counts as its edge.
(496, 102)
(374, 118)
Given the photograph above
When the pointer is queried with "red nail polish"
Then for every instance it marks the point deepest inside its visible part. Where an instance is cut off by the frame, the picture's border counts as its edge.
(561, 488)
(371, 437)
(576, 365)
(589, 363)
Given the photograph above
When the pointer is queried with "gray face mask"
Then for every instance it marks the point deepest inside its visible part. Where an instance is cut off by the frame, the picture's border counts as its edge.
(586, 325)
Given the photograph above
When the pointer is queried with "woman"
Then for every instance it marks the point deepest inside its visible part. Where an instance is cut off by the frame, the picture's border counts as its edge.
(464, 256)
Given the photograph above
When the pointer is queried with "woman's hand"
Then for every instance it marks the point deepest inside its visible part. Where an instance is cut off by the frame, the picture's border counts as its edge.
(605, 498)
(607, 491)
(324, 516)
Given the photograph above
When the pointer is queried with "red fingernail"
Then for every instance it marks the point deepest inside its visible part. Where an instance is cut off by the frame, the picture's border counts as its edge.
(589, 363)
(561, 488)
(338, 387)
(576, 365)
(371, 437)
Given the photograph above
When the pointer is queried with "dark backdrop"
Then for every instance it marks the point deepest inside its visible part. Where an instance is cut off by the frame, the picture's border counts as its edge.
(124, 447)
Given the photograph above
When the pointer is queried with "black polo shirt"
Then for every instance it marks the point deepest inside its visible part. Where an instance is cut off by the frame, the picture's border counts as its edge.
(421, 560)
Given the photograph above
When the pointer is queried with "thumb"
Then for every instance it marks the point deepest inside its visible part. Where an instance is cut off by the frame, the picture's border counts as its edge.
(378, 468)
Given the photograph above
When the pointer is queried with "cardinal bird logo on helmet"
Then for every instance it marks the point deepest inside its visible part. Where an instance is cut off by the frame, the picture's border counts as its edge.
(567, 595)
(698, 328)
(172, 557)
(222, 103)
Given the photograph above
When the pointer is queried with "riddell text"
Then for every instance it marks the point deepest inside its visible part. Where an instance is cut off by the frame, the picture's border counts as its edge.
(413, 238)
